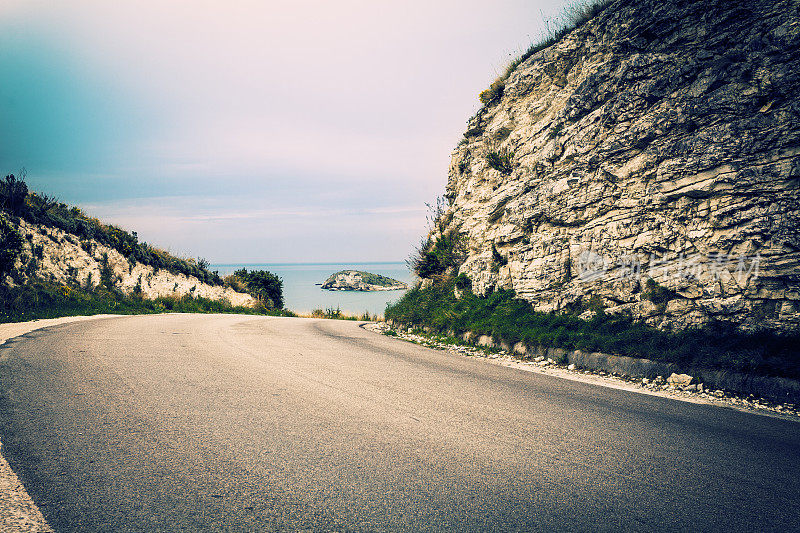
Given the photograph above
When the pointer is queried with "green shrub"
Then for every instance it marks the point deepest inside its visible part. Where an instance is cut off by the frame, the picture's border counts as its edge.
(656, 293)
(137, 290)
(10, 247)
(13, 192)
(463, 282)
(330, 312)
(262, 285)
(434, 256)
(106, 273)
(494, 92)
(501, 160)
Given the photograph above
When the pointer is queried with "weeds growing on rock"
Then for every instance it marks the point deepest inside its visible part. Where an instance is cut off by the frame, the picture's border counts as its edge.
(572, 16)
(494, 92)
(501, 160)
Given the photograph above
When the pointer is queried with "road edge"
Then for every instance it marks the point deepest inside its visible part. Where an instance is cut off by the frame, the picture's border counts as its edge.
(602, 379)
(18, 512)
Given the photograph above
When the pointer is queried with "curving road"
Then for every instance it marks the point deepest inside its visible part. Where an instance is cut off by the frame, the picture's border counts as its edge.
(225, 422)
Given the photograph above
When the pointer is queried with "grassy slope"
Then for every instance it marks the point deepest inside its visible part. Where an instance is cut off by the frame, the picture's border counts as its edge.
(506, 318)
(49, 300)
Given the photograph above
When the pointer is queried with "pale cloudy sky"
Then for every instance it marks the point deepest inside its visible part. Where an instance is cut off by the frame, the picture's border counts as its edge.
(251, 131)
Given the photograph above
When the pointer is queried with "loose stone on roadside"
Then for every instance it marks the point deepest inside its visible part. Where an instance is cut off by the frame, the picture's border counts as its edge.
(679, 386)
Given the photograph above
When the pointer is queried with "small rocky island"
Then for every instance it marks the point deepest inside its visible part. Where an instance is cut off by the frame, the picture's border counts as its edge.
(356, 280)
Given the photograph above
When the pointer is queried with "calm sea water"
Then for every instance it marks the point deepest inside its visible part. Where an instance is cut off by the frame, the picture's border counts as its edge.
(302, 295)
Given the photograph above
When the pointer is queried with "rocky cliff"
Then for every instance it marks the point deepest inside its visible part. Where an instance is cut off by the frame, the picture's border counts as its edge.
(52, 254)
(648, 162)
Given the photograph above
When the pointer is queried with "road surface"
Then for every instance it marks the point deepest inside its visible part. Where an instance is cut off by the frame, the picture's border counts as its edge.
(226, 422)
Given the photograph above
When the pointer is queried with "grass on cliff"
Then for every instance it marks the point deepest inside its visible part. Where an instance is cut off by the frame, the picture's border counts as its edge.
(17, 202)
(573, 16)
(505, 317)
(42, 299)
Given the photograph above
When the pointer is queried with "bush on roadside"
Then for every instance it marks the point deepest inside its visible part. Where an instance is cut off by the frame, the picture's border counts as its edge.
(265, 286)
(10, 247)
(435, 255)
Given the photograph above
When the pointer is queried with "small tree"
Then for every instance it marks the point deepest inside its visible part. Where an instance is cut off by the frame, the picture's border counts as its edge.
(435, 256)
(13, 192)
(10, 247)
(263, 285)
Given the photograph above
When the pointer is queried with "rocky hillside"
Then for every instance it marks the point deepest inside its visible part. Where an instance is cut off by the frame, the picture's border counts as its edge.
(52, 254)
(648, 162)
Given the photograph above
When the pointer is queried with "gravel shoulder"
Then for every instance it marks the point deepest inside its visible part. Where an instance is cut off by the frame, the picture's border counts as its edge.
(541, 365)
(18, 512)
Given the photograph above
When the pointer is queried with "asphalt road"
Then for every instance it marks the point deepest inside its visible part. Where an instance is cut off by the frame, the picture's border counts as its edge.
(198, 422)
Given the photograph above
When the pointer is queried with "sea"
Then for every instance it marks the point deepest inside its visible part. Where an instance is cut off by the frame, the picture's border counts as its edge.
(301, 285)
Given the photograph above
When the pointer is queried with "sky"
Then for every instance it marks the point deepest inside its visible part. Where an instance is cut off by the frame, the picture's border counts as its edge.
(251, 131)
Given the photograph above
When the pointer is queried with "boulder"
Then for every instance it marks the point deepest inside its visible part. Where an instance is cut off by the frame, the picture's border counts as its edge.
(679, 380)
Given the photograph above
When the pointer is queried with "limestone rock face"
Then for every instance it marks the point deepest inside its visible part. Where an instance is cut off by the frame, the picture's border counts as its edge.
(356, 280)
(55, 255)
(652, 166)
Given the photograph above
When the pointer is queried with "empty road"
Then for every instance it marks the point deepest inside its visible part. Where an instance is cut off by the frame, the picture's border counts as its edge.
(239, 423)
